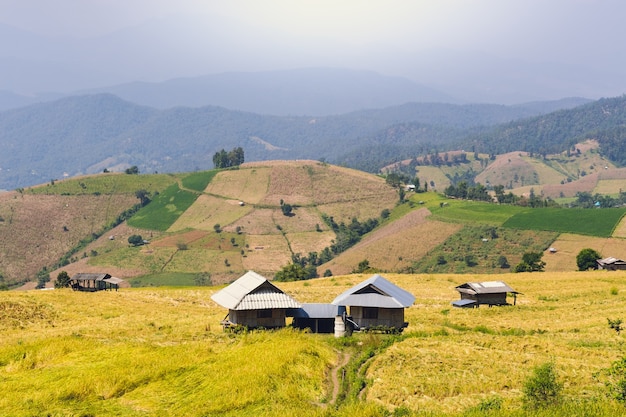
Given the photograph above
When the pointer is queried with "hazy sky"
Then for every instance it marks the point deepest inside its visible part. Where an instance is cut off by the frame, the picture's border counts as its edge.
(386, 36)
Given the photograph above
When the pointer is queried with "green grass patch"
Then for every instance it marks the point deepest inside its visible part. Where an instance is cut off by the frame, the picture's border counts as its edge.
(109, 183)
(164, 210)
(170, 279)
(477, 249)
(198, 181)
(591, 222)
(460, 211)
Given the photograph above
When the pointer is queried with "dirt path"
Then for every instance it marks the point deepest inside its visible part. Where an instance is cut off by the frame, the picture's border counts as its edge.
(336, 379)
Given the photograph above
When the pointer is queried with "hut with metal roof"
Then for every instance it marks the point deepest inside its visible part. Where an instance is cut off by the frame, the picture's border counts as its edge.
(611, 264)
(252, 301)
(317, 318)
(376, 304)
(474, 294)
(94, 282)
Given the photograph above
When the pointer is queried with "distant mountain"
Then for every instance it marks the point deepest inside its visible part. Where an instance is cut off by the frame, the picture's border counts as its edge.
(86, 134)
(310, 91)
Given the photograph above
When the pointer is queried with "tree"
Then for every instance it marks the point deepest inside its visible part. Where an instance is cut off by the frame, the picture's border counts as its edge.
(143, 196)
(223, 159)
(531, 262)
(291, 272)
(132, 170)
(135, 240)
(63, 280)
(503, 262)
(587, 259)
(287, 209)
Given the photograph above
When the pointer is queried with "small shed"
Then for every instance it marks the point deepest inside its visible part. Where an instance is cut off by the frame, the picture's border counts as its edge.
(94, 282)
(611, 264)
(473, 294)
(254, 302)
(376, 303)
(318, 318)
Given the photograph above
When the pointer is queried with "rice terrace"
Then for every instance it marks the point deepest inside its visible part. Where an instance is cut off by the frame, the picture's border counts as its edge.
(157, 346)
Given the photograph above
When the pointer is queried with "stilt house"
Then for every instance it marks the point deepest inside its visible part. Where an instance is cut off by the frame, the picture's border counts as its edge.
(253, 301)
(376, 304)
(491, 293)
(94, 282)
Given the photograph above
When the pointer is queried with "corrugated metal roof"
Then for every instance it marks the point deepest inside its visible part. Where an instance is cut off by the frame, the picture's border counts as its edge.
(266, 299)
(318, 311)
(487, 287)
(610, 260)
(464, 303)
(252, 292)
(375, 292)
(85, 276)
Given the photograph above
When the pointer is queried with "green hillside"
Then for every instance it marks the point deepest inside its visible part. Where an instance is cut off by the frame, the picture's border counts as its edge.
(211, 226)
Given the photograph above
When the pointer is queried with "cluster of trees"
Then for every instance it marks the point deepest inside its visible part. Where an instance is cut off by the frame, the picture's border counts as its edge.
(469, 192)
(347, 235)
(223, 159)
(531, 262)
(587, 200)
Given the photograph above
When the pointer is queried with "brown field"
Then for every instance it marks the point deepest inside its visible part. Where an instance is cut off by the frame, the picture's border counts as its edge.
(569, 245)
(39, 228)
(569, 189)
(266, 254)
(207, 211)
(306, 242)
(395, 245)
(243, 184)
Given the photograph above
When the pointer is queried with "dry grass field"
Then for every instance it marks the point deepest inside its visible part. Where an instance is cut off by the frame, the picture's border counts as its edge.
(37, 228)
(395, 245)
(161, 351)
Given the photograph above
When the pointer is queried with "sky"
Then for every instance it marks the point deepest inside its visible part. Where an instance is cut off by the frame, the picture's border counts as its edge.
(432, 42)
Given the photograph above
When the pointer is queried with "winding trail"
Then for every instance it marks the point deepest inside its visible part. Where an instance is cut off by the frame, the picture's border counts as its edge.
(343, 359)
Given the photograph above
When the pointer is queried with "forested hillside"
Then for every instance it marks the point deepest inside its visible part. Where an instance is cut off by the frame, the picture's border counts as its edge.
(88, 134)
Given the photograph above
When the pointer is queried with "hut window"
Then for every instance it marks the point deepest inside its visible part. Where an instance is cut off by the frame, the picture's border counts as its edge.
(264, 314)
(370, 312)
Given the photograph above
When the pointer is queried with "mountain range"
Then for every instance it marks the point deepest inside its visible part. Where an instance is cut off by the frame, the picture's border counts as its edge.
(87, 134)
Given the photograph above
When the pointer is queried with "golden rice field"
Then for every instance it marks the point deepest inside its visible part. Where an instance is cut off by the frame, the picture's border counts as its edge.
(145, 352)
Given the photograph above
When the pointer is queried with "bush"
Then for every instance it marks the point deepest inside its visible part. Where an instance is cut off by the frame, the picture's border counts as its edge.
(542, 388)
(135, 240)
(614, 379)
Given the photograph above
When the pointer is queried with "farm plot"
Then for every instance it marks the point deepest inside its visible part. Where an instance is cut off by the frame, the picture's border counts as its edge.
(164, 210)
(266, 253)
(396, 245)
(305, 242)
(249, 184)
(475, 212)
(569, 245)
(106, 183)
(207, 211)
(578, 221)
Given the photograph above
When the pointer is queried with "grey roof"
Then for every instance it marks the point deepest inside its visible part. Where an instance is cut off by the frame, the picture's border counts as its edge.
(488, 287)
(375, 292)
(85, 276)
(610, 261)
(253, 292)
(464, 303)
(318, 311)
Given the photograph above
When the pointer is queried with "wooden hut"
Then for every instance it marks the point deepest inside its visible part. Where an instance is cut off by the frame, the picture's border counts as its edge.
(376, 304)
(252, 301)
(491, 293)
(94, 282)
(611, 264)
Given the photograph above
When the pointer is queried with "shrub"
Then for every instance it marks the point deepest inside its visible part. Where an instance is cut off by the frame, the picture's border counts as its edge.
(615, 380)
(542, 388)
